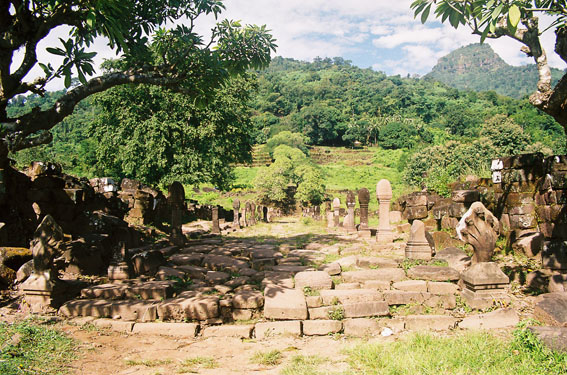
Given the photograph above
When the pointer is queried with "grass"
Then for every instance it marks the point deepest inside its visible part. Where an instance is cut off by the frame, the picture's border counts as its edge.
(271, 358)
(148, 362)
(192, 365)
(29, 347)
(303, 365)
(409, 263)
(462, 354)
(336, 313)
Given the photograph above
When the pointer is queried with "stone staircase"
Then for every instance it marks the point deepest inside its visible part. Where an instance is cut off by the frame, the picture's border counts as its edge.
(213, 283)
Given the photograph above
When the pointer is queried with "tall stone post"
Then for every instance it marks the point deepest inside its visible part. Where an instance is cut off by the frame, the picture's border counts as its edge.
(247, 209)
(215, 214)
(236, 210)
(418, 247)
(252, 213)
(336, 212)
(348, 224)
(384, 235)
(363, 200)
(329, 215)
(176, 201)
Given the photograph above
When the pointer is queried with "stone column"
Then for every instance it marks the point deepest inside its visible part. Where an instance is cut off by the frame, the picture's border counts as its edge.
(119, 268)
(215, 214)
(348, 224)
(363, 200)
(329, 215)
(236, 210)
(247, 209)
(384, 234)
(418, 247)
(176, 201)
(336, 210)
(252, 213)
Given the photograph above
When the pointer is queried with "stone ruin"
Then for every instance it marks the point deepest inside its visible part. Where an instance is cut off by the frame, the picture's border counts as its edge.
(336, 212)
(363, 201)
(348, 223)
(480, 228)
(236, 208)
(176, 202)
(384, 235)
(418, 247)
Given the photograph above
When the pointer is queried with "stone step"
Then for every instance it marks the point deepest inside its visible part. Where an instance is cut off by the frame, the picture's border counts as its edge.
(149, 290)
(284, 304)
(384, 274)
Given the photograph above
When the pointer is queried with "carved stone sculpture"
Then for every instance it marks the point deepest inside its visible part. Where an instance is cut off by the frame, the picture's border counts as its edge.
(384, 234)
(418, 247)
(215, 229)
(348, 224)
(363, 201)
(236, 210)
(479, 228)
(176, 201)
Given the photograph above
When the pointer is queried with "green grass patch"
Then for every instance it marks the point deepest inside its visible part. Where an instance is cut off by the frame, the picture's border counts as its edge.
(336, 313)
(28, 347)
(461, 354)
(303, 365)
(409, 263)
(271, 358)
(148, 362)
(192, 365)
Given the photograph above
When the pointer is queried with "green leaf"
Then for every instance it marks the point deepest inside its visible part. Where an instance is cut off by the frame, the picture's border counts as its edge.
(425, 13)
(514, 15)
(56, 51)
(67, 80)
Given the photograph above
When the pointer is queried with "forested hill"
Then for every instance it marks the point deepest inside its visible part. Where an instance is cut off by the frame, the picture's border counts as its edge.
(477, 67)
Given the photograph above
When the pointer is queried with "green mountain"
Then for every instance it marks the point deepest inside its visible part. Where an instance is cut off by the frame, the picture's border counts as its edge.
(477, 67)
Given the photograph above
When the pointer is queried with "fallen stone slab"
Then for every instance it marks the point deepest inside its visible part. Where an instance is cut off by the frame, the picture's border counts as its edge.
(377, 285)
(366, 309)
(551, 309)
(242, 314)
(186, 330)
(385, 274)
(401, 297)
(322, 312)
(376, 262)
(555, 338)
(216, 277)
(350, 286)
(86, 307)
(437, 287)
(557, 283)
(186, 259)
(134, 310)
(332, 269)
(165, 273)
(189, 306)
(503, 318)
(194, 272)
(114, 325)
(223, 263)
(271, 329)
(282, 303)
(248, 299)
(321, 327)
(292, 269)
(243, 331)
(313, 301)
(411, 285)
(282, 279)
(316, 280)
(331, 297)
(434, 273)
(157, 290)
(361, 327)
(430, 322)
(104, 291)
(347, 262)
(455, 257)
(444, 301)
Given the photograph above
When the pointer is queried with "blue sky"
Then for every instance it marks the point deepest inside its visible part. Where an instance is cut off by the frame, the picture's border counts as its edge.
(381, 34)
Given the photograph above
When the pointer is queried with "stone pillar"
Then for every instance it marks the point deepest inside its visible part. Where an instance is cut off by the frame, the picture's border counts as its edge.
(265, 214)
(215, 216)
(348, 224)
(176, 201)
(484, 285)
(236, 210)
(363, 200)
(329, 215)
(336, 212)
(418, 247)
(384, 234)
(119, 268)
(252, 213)
(246, 215)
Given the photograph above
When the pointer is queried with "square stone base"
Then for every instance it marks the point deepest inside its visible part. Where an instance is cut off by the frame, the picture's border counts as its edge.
(485, 299)
(364, 233)
(383, 237)
(422, 252)
(118, 272)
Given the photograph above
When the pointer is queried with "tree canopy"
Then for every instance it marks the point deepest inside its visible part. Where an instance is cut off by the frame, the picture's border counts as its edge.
(518, 20)
(151, 53)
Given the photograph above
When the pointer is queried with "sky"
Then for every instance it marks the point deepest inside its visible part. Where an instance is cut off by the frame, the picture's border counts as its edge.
(381, 34)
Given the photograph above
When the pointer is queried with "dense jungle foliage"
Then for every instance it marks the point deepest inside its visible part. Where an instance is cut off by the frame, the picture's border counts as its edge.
(443, 132)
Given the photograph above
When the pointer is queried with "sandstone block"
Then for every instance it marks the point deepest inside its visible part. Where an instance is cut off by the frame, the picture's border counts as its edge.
(555, 338)
(313, 279)
(554, 255)
(313, 301)
(503, 318)
(434, 273)
(167, 329)
(361, 327)
(557, 283)
(189, 306)
(271, 329)
(281, 279)
(465, 196)
(138, 311)
(347, 286)
(456, 258)
(376, 262)
(104, 291)
(242, 314)
(385, 274)
(411, 285)
(114, 325)
(331, 268)
(400, 297)
(366, 309)
(321, 327)
(435, 287)
(377, 285)
(86, 307)
(243, 331)
(283, 303)
(350, 296)
(248, 299)
(430, 322)
(320, 312)
(552, 309)
(444, 301)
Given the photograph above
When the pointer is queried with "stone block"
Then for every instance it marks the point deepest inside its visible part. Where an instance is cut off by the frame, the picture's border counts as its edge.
(313, 301)
(503, 318)
(385, 274)
(157, 290)
(331, 268)
(551, 309)
(186, 259)
(415, 213)
(349, 286)
(376, 262)
(136, 311)
(330, 297)
(441, 288)
(243, 331)
(395, 217)
(557, 283)
(86, 307)
(366, 309)
(559, 180)
(411, 286)
(465, 196)
(104, 291)
(434, 273)
(216, 277)
(248, 299)
(165, 273)
(457, 210)
(271, 329)
(377, 285)
(281, 279)
(184, 330)
(316, 280)
(530, 245)
(320, 312)
(430, 322)
(114, 325)
(444, 301)
(523, 221)
(416, 199)
(321, 327)
(148, 262)
(282, 303)
(555, 338)
(291, 269)
(400, 297)
(554, 255)
(361, 327)
(242, 314)
(189, 306)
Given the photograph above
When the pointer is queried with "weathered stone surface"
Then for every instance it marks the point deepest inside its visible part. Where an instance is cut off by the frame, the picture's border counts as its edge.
(241, 331)
(282, 303)
(189, 306)
(104, 291)
(292, 269)
(465, 196)
(411, 285)
(430, 322)
(139, 311)
(114, 325)
(503, 318)
(271, 329)
(557, 283)
(395, 217)
(321, 327)
(456, 258)
(400, 297)
(216, 277)
(158, 290)
(366, 309)
(332, 269)
(555, 338)
(551, 309)
(223, 263)
(283, 279)
(444, 301)
(441, 288)
(416, 199)
(361, 327)
(86, 307)
(554, 255)
(242, 314)
(418, 247)
(376, 285)
(480, 228)
(165, 273)
(167, 329)
(313, 279)
(322, 312)
(186, 259)
(416, 213)
(434, 273)
(385, 274)
(330, 297)
(376, 262)
(313, 301)
(384, 234)
(248, 299)
(148, 262)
